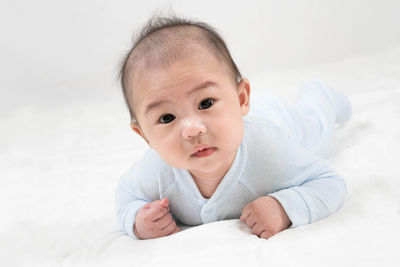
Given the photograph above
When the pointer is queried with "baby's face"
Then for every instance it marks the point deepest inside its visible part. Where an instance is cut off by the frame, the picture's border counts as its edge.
(191, 113)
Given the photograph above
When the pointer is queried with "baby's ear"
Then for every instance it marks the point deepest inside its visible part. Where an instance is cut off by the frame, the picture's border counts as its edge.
(244, 95)
(136, 128)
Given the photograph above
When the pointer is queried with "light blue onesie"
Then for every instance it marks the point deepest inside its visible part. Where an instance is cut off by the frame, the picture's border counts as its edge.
(282, 155)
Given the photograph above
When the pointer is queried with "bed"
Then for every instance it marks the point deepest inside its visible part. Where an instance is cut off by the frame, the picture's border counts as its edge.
(60, 163)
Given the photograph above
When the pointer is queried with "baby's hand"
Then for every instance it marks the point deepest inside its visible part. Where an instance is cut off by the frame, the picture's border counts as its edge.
(154, 220)
(265, 216)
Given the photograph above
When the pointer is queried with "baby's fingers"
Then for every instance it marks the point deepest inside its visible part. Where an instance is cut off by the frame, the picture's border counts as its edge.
(177, 229)
(156, 212)
(164, 221)
(251, 221)
(245, 213)
(170, 229)
(266, 234)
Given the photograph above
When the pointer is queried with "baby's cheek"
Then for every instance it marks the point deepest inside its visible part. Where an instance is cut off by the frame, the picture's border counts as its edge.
(172, 154)
(232, 131)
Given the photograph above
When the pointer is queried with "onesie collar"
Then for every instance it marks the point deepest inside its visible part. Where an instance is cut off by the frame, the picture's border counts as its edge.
(227, 183)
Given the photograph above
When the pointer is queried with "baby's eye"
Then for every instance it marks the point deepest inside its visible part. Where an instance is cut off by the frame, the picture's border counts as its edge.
(167, 118)
(206, 103)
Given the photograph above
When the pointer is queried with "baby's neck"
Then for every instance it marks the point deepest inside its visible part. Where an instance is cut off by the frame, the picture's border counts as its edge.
(207, 183)
(206, 186)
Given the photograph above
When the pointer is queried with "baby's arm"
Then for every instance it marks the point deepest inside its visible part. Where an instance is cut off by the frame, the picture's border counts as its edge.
(315, 198)
(307, 189)
(140, 213)
(294, 206)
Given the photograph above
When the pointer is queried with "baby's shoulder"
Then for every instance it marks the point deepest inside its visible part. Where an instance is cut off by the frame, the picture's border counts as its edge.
(257, 127)
(266, 139)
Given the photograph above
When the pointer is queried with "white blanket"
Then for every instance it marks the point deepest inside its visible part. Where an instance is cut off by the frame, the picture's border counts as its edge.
(60, 162)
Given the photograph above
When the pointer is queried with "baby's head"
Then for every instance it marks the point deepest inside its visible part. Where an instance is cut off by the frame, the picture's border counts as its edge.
(185, 95)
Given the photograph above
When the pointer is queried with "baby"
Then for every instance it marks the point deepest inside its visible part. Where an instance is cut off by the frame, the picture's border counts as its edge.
(210, 158)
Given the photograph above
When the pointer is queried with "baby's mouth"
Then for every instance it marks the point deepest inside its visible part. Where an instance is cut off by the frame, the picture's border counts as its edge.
(203, 151)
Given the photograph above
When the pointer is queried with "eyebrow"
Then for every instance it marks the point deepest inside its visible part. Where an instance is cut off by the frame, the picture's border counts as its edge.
(196, 88)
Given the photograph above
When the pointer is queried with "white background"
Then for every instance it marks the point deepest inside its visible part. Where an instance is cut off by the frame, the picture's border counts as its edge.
(64, 49)
(65, 136)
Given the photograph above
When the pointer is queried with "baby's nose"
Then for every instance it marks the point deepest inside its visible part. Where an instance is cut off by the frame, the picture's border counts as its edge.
(193, 127)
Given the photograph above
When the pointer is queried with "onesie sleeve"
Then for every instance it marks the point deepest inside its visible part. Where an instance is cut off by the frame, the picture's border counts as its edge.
(128, 201)
(309, 188)
(314, 199)
(136, 187)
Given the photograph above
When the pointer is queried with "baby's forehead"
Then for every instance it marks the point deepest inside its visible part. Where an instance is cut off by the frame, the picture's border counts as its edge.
(190, 71)
(159, 55)
(166, 46)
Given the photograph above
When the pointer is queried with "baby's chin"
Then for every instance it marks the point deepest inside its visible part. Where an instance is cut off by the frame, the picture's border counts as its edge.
(219, 164)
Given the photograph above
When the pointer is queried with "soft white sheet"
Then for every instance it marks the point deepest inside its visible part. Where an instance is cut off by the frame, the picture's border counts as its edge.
(60, 162)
